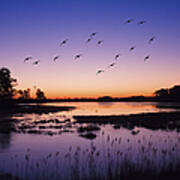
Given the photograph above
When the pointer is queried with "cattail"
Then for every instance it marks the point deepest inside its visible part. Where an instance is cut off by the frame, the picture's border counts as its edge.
(94, 148)
(154, 150)
(78, 148)
(66, 155)
(50, 155)
(57, 153)
(164, 152)
(27, 157)
(112, 143)
(150, 144)
(108, 138)
(17, 165)
(97, 154)
(143, 149)
(28, 150)
(70, 148)
(37, 164)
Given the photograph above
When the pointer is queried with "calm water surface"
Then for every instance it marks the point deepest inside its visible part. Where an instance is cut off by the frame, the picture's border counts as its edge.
(64, 153)
(112, 108)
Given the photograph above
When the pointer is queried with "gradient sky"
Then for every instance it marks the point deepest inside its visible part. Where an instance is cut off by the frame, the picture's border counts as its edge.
(36, 28)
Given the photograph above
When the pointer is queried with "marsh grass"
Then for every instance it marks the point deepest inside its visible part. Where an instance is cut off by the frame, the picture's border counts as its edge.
(110, 161)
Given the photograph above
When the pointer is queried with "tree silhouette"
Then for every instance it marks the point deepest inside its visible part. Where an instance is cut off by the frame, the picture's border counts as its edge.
(40, 94)
(7, 84)
(161, 93)
(105, 98)
(174, 92)
(24, 94)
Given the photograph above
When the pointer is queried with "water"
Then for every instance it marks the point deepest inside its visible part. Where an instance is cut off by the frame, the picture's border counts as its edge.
(112, 108)
(60, 152)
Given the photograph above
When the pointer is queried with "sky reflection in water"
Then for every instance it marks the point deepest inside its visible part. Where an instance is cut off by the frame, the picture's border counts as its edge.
(38, 155)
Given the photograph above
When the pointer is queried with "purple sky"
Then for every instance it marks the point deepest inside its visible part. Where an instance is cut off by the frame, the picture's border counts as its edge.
(36, 28)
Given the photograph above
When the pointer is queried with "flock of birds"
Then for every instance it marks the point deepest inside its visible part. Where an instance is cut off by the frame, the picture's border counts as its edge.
(99, 42)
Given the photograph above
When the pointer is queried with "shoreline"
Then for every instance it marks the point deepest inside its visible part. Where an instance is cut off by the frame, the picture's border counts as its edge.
(37, 109)
(128, 99)
(154, 121)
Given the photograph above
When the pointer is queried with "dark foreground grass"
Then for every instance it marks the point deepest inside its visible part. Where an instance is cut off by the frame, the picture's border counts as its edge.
(109, 162)
(124, 171)
(6, 176)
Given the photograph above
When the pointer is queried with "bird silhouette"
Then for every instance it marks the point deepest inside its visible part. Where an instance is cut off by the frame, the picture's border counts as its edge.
(64, 42)
(77, 56)
(28, 58)
(147, 57)
(132, 48)
(56, 58)
(88, 40)
(129, 21)
(112, 64)
(100, 42)
(151, 40)
(36, 62)
(141, 22)
(117, 56)
(99, 72)
(93, 34)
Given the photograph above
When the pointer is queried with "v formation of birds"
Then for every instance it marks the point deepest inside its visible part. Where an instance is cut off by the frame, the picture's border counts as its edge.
(99, 42)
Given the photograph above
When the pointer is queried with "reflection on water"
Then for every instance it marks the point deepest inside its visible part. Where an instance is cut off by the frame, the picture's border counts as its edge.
(43, 156)
(6, 127)
(5, 140)
(52, 146)
(110, 108)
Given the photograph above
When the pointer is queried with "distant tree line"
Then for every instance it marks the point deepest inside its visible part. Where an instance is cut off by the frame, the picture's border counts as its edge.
(8, 91)
(171, 93)
(26, 94)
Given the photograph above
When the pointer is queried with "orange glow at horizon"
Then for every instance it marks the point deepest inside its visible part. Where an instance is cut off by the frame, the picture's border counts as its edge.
(120, 93)
(76, 81)
(40, 32)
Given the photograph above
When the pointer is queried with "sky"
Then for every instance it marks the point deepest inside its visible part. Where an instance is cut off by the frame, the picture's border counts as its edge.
(37, 27)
